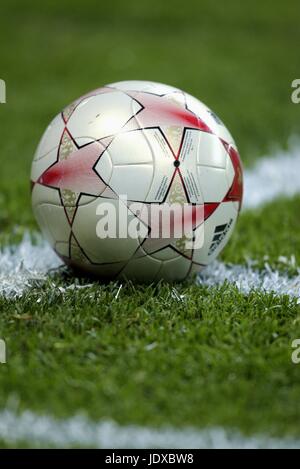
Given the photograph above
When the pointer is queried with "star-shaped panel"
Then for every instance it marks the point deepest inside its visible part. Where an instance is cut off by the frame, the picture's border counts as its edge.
(160, 111)
(235, 193)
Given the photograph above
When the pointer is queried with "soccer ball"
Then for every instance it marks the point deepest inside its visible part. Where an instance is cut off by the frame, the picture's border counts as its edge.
(137, 180)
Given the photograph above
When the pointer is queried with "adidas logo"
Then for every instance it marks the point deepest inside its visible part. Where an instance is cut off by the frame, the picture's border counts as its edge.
(219, 234)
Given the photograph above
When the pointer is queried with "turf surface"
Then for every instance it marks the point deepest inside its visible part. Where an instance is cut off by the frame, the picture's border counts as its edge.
(217, 357)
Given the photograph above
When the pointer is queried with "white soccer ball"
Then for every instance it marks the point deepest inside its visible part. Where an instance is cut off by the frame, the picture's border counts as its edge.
(137, 180)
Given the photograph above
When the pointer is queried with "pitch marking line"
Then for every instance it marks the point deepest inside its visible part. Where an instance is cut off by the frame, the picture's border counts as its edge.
(273, 176)
(45, 431)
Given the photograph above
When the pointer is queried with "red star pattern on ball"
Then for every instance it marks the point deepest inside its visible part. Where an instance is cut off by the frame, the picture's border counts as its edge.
(76, 173)
(235, 193)
(161, 110)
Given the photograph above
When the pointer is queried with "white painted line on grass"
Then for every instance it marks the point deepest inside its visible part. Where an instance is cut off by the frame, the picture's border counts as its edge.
(28, 265)
(45, 431)
(246, 278)
(273, 176)
(25, 264)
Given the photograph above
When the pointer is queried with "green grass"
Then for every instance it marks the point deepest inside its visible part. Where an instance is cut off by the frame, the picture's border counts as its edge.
(215, 358)
(266, 233)
(218, 357)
